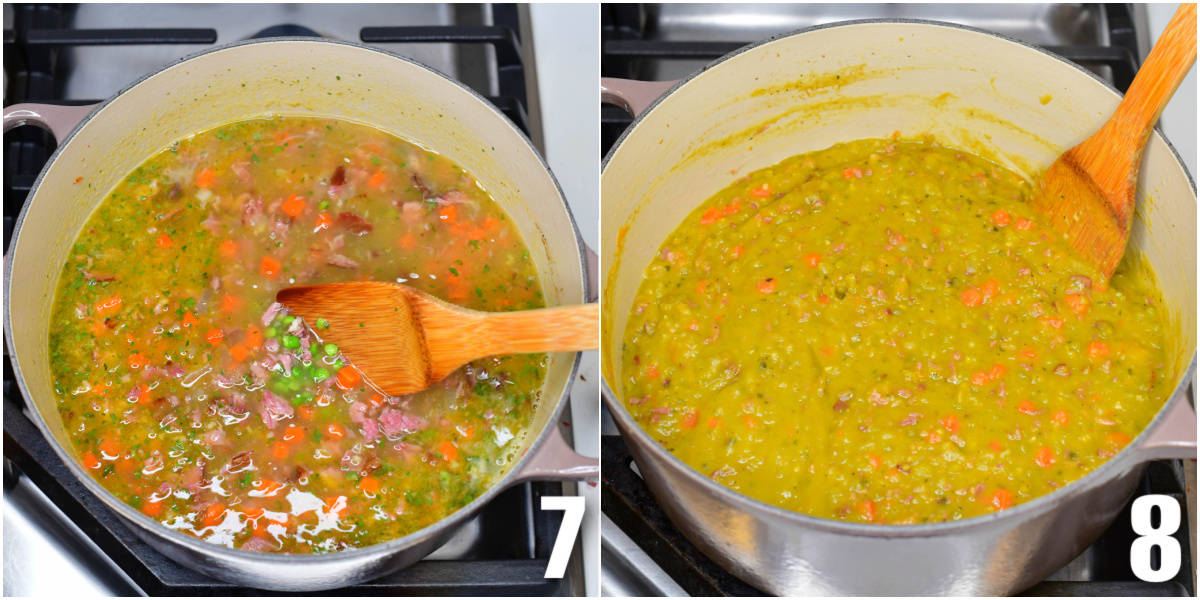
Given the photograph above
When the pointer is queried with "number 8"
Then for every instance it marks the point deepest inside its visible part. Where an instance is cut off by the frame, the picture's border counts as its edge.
(1169, 551)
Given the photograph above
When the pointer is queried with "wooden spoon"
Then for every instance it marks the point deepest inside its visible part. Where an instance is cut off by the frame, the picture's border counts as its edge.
(1088, 193)
(404, 340)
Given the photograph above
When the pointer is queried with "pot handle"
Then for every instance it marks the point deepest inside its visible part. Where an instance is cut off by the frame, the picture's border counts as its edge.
(633, 96)
(58, 119)
(557, 461)
(1174, 438)
(592, 265)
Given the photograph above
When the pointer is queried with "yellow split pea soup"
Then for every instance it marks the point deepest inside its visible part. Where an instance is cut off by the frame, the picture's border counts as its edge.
(189, 394)
(883, 332)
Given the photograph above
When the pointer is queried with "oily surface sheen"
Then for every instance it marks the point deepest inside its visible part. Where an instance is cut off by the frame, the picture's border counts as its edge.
(192, 396)
(882, 332)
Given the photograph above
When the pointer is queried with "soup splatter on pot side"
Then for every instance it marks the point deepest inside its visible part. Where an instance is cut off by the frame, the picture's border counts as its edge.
(196, 399)
(883, 332)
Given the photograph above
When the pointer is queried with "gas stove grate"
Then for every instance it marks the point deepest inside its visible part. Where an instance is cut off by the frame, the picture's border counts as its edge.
(626, 45)
(511, 555)
(630, 505)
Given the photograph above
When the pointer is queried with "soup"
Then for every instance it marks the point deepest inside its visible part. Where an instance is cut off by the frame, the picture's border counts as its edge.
(883, 332)
(192, 396)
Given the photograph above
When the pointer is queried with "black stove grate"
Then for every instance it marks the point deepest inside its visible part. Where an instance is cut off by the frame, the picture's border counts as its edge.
(626, 45)
(511, 553)
(630, 505)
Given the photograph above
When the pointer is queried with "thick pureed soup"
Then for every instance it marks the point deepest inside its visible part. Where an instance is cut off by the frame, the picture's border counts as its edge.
(883, 332)
(195, 398)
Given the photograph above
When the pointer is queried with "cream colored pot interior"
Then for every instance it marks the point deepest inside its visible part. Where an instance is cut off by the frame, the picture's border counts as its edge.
(285, 77)
(995, 97)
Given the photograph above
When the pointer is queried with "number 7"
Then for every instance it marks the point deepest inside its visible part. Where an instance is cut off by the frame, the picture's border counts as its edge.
(572, 507)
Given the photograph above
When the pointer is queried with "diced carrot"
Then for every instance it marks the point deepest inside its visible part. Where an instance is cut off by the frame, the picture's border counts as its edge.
(1117, 438)
(447, 450)
(750, 421)
(1060, 417)
(690, 419)
(812, 259)
(335, 431)
(951, 423)
(971, 297)
(738, 250)
(997, 372)
(110, 448)
(254, 512)
(1097, 350)
(214, 514)
(866, 510)
(293, 433)
(152, 509)
(205, 178)
(701, 287)
(270, 266)
(767, 285)
(1001, 218)
(90, 461)
(1078, 303)
(1027, 407)
(189, 320)
(324, 221)
(875, 460)
(239, 352)
(124, 467)
(990, 289)
(98, 328)
(995, 446)
(347, 378)
(714, 422)
(1001, 499)
(852, 173)
(448, 213)
(280, 450)
(979, 378)
(1044, 457)
(306, 412)
(136, 360)
(336, 504)
(1029, 354)
(823, 299)
(827, 350)
(214, 336)
(228, 248)
(1054, 322)
(294, 205)
(108, 305)
(712, 215)
(652, 372)
(165, 241)
(408, 242)
(761, 191)
(1024, 224)
(378, 179)
(254, 337)
(369, 485)
(230, 303)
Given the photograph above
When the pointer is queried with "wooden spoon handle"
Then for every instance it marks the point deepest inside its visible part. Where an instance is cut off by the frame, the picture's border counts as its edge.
(1114, 153)
(558, 329)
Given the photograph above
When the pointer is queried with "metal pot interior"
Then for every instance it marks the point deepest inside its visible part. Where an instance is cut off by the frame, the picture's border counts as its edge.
(995, 97)
(281, 76)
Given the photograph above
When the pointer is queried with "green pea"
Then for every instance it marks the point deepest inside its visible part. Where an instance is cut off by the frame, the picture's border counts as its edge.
(271, 332)
(322, 323)
(291, 341)
(331, 349)
(287, 319)
(321, 375)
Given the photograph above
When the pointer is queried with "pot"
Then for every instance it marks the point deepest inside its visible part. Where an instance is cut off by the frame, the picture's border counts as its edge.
(303, 76)
(809, 90)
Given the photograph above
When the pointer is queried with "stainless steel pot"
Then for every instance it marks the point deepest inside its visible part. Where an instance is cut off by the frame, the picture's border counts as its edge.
(285, 76)
(809, 90)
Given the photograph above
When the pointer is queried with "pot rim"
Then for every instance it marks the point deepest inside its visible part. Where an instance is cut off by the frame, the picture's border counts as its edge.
(1096, 478)
(145, 523)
